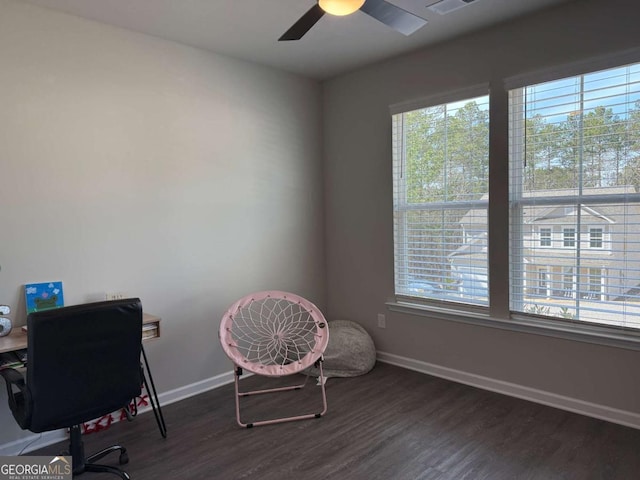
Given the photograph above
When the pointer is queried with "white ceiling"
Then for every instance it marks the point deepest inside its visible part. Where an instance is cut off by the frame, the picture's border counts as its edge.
(249, 29)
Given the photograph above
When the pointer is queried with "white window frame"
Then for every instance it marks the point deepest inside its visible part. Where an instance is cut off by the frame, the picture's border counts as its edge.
(601, 238)
(569, 237)
(543, 239)
(498, 314)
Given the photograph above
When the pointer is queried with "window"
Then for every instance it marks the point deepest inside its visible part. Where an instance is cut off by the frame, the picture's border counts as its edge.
(572, 248)
(575, 161)
(545, 237)
(441, 168)
(595, 238)
(569, 237)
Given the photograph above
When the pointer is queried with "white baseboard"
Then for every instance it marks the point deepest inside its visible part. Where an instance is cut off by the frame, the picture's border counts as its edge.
(622, 417)
(196, 388)
(32, 442)
(36, 441)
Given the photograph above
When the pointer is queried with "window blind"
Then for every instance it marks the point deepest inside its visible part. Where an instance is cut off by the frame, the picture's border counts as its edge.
(440, 171)
(575, 201)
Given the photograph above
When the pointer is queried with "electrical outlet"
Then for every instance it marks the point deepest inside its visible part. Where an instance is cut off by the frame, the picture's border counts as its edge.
(382, 321)
(115, 296)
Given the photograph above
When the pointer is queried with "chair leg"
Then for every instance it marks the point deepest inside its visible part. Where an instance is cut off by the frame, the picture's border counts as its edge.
(124, 457)
(239, 394)
(83, 464)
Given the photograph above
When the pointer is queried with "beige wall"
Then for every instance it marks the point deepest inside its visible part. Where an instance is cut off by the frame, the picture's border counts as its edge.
(131, 164)
(358, 195)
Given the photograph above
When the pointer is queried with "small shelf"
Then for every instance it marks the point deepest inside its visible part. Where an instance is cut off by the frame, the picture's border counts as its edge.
(150, 326)
(16, 340)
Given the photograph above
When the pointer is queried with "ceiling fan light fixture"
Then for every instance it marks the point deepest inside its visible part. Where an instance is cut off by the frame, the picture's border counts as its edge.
(340, 7)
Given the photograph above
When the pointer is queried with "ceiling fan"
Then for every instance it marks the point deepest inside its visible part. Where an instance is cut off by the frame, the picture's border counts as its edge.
(385, 12)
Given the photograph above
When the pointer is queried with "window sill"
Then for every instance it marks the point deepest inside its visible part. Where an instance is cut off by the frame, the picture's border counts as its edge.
(588, 333)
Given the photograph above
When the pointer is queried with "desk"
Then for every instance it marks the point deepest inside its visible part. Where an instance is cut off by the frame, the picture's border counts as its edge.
(17, 339)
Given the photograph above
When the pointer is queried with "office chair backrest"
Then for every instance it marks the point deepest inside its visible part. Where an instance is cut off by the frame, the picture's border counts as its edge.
(83, 362)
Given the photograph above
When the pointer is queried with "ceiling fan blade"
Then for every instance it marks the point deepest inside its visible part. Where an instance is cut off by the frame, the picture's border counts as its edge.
(395, 17)
(302, 26)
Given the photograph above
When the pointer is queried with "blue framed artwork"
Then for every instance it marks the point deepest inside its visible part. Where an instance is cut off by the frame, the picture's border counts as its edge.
(43, 296)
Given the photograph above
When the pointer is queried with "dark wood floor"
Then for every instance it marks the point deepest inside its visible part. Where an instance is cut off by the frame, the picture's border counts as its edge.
(391, 424)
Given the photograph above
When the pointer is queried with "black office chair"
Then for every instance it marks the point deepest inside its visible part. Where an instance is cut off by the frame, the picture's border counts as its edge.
(83, 362)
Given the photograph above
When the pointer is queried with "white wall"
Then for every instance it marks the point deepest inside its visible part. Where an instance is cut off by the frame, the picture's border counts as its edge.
(131, 164)
(358, 195)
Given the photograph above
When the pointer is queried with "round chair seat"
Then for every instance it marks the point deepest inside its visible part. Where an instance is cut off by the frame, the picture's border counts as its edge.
(273, 333)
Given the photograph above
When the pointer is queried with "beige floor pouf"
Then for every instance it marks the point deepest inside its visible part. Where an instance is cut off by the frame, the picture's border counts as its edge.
(350, 352)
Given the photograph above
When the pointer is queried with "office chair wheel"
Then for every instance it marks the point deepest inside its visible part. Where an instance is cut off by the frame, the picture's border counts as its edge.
(124, 458)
